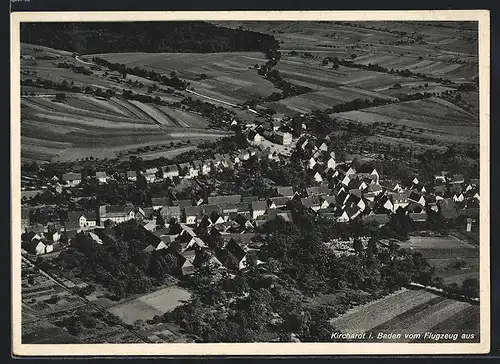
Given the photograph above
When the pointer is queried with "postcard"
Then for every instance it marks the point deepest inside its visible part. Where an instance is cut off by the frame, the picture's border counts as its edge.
(250, 183)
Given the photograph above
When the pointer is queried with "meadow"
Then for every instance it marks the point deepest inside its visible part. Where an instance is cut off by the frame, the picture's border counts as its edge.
(147, 306)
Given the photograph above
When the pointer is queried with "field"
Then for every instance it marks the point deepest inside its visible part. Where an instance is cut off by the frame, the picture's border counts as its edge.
(228, 75)
(147, 306)
(83, 125)
(443, 253)
(411, 312)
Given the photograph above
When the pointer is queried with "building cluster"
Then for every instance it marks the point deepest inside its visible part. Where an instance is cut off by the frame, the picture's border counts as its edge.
(342, 191)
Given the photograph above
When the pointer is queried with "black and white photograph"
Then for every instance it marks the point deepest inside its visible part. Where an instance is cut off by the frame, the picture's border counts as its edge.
(251, 180)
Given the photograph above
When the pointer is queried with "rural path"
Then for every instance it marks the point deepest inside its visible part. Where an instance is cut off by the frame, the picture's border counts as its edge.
(82, 61)
(212, 98)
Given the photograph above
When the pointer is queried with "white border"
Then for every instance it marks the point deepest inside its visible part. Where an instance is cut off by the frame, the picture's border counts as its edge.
(482, 16)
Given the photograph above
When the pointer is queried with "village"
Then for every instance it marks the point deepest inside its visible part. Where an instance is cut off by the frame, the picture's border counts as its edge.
(343, 191)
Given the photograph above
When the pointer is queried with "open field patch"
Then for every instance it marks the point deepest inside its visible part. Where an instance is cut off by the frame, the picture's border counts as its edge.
(147, 306)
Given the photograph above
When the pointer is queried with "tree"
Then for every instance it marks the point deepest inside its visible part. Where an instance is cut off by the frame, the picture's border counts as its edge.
(470, 287)
(358, 245)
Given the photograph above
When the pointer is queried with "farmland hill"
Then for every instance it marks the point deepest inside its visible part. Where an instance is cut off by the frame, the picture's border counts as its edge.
(199, 37)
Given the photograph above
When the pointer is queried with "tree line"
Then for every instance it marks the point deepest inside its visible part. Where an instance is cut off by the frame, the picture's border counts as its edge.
(117, 37)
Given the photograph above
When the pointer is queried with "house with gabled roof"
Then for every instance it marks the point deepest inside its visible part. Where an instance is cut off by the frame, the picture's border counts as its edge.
(71, 179)
(417, 197)
(327, 201)
(115, 213)
(457, 179)
(159, 202)
(170, 171)
(349, 213)
(224, 200)
(132, 175)
(258, 208)
(317, 190)
(101, 176)
(399, 200)
(313, 203)
(192, 213)
(286, 191)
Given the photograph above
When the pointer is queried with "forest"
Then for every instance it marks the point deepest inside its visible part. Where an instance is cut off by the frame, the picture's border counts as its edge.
(116, 37)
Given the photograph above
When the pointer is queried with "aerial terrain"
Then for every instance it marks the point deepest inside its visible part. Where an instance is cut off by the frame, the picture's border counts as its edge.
(158, 175)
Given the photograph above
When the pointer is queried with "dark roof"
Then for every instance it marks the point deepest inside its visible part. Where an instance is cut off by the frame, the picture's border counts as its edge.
(259, 205)
(422, 216)
(183, 203)
(280, 200)
(457, 178)
(352, 210)
(310, 201)
(285, 190)
(317, 190)
(193, 210)
(235, 249)
(71, 176)
(208, 209)
(100, 174)
(224, 200)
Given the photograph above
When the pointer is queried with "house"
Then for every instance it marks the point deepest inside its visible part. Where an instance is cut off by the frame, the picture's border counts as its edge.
(132, 175)
(327, 202)
(71, 179)
(233, 256)
(83, 219)
(254, 137)
(285, 191)
(418, 217)
(192, 213)
(342, 198)
(171, 212)
(185, 262)
(35, 247)
(224, 200)
(392, 186)
(399, 200)
(317, 177)
(115, 213)
(171, 171)
(205, 167)
(313, 203)
(258, 208)
(311, 163)
(417, 197)
(150, 174)
(457, 179)
(101, 176)
(159, 202)
(349, 213)
(317, 190)
(374, 188)
(277, 202)
(183, 203)
(283, 138)
(330, 163)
